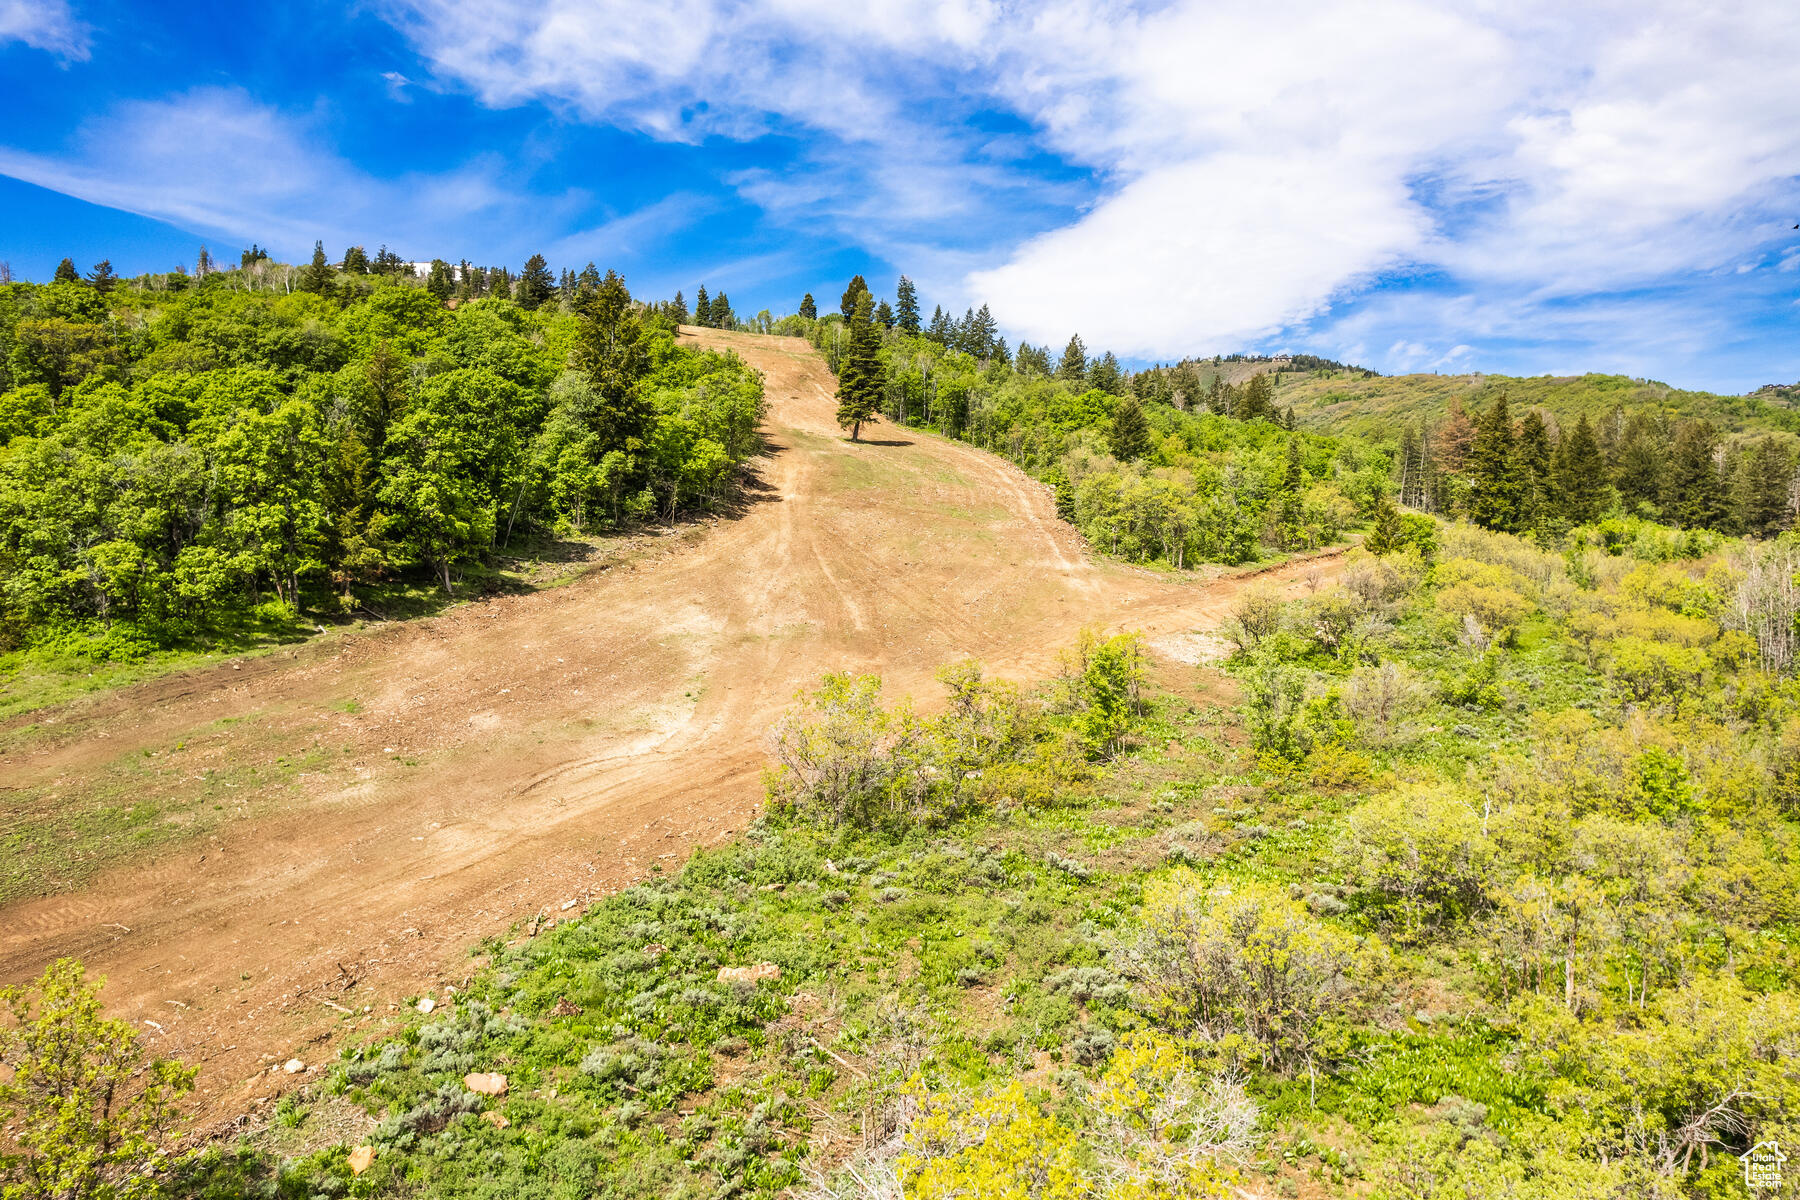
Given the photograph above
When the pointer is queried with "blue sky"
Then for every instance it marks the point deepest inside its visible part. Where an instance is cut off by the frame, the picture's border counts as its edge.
(1521, 188)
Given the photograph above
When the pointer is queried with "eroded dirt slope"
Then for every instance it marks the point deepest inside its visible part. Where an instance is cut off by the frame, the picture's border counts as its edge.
(422, 786)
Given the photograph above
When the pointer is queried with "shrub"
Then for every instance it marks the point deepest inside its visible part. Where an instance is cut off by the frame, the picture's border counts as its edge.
(1250, 970)
(86, 1128)
(1421, 853)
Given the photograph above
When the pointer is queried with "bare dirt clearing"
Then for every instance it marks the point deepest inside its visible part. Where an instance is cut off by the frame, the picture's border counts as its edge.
(371, 807)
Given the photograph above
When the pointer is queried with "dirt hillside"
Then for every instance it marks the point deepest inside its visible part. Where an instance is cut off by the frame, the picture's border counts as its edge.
(397, 796)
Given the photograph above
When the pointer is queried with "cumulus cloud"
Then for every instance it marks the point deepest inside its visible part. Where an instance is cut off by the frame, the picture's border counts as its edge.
(1245, 167)
(44, 25)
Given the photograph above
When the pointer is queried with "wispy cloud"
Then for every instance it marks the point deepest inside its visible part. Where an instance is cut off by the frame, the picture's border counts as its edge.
(47, 25)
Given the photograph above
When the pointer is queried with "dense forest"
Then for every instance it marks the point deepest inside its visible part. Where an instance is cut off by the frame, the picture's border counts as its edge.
(182, 453)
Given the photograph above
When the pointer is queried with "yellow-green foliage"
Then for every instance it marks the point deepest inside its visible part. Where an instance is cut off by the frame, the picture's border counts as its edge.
(1152, 1127)
(90, 1119)
(1247, 969)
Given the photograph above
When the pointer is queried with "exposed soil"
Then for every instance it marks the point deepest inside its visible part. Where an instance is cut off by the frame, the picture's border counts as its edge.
(467, 772)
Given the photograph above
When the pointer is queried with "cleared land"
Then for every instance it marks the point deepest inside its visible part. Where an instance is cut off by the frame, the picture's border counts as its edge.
(289, 839)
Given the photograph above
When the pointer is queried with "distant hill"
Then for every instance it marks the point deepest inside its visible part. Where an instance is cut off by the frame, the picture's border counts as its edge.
(1356, 403)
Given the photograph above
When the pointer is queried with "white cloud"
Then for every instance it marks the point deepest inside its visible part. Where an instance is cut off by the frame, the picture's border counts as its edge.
(44, 25)
(1249, 164)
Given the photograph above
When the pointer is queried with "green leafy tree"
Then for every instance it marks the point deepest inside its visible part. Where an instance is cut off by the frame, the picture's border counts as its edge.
(1130, 432)
(906, 308)
(271, 474)
(317, 277)
(859, 373)
(808, 308)
(87, 1117)
(1495, 490)
(536, 284)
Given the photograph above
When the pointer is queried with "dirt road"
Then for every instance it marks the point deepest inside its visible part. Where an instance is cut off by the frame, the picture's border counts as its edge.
(463, 772)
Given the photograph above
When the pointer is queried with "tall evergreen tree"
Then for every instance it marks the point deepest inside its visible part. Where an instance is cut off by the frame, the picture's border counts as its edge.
(678, 309)
(1104, 374)
(1074, 365)
(702, 307)
(1130, 432)
(1694, 494)
(940, 330)
(1537, 479)
(317, 276)
(884, 315)
(859, 371)
(356, 261)
(437, 282)
(610, 351)
(721, 316)
(1580, 475)
(858, 287)
(1492, 470)
(588, 282)
(465, 287)
(906, 310)
(66, 272)
(983, 331)
(1290, 513)
(203, 264)
(809, 308)
(1032, 360)
(1640, 461)
(536, 283)
(102, 277)
(1256, 401)
(1764, 476)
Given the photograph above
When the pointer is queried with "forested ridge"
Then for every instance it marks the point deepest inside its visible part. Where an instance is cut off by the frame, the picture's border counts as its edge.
(180, 454)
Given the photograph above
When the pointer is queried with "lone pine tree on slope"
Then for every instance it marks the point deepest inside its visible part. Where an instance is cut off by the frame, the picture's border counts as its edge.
(859, 374)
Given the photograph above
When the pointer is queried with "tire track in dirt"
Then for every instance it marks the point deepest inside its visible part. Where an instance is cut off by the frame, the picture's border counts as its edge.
(512, 754)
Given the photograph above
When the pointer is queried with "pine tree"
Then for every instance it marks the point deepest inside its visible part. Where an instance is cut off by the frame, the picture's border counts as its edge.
(1000, 353)
(1074, 365)
(1387, 530)
(465, 288)
(1640, 462)
(1256, 401)
(1537, 480)
(721, 316)
(66, 272)
(203, 265)
(317, 277)
(588, 282)
(1580, 475)
(809, 308)
(1290, 520)
(1130, 432)
(438, 281)
(884, 315)
(610, 351)
(702, 308)
(1453, 437)
(536, 283)
(983, 331)
(1495, 493)
(356, 261)
(1104, 374)
(858, 287)
(102, 277)
(906, 312)
(1763, 478)
(678, 309)
(1694, 493)
(859, 371)
(939, 330)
